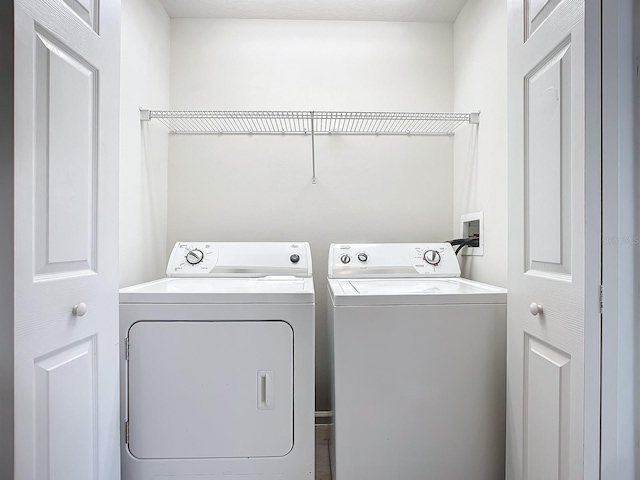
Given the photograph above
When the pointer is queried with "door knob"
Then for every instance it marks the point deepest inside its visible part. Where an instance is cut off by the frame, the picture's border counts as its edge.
(535, 309)
(80, 309)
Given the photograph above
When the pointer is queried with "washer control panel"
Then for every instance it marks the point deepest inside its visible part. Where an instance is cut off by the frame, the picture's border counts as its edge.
(389, 260)
(240, 259)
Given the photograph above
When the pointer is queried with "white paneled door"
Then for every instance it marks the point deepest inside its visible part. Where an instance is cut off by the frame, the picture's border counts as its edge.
(545, 390)
(66, 257)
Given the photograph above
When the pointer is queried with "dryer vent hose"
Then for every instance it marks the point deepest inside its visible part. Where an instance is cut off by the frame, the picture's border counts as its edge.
(464, 242)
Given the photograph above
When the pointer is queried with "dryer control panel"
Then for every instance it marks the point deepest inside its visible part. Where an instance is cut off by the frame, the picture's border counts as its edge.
(392, 260)
(240, 259)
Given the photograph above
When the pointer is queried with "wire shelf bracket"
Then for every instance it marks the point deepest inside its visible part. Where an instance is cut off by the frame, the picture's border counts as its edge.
(282, 122)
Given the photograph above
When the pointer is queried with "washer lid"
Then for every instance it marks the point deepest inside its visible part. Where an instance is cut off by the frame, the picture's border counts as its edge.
(410, 291)
(270, 289)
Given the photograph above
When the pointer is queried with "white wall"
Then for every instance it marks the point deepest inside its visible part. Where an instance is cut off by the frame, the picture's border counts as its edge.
(370, 189)
(6, 240)
(480, 152)
(143, 147)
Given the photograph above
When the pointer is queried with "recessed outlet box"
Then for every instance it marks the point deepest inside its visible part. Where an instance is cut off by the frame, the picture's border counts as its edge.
(473, 226)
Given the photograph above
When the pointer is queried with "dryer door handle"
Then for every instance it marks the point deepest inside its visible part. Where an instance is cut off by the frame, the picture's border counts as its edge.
(265, 390)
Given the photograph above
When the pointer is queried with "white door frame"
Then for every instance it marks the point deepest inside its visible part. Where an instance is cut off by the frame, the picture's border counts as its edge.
(6, 237)
(620, 241)
(593, 237)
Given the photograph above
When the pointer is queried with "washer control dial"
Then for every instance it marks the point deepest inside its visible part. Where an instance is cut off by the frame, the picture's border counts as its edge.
(363, 257)
(194, 256)
(295, 258)
(432, 257)
(345, 258)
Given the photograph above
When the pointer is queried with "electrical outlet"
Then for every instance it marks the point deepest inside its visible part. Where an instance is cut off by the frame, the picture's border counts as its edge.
(473, 226)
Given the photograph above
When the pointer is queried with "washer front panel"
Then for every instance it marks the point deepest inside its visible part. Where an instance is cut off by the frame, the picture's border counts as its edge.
(419, 391)
(210, 389)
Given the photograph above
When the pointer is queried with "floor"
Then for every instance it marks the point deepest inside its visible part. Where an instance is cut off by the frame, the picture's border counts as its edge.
(323, 462)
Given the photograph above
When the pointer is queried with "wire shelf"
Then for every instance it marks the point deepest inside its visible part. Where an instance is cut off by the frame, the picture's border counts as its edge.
(309, 122)
(264, 122)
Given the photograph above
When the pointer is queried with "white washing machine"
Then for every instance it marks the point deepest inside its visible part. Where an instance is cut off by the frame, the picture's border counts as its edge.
(419, 365)
(218, 373)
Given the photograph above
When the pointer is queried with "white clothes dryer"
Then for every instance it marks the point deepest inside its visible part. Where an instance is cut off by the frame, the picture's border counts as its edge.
(218, 373)
(419, 365)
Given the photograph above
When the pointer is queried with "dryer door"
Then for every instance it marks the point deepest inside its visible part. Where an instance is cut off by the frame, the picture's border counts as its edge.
(210, 389)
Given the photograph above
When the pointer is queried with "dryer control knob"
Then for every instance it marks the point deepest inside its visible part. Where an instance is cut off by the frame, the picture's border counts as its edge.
(432, 257)
(295, 258)
(194, 256)
(345, 259)
(363, 257)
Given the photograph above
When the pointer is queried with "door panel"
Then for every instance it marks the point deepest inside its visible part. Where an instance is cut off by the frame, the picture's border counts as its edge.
(545, 370)
(86, 10)
(210, 389)
(66, 242)
(536, 12)
(65, 160)
(548, 165)
(547, 414)
(64, 452)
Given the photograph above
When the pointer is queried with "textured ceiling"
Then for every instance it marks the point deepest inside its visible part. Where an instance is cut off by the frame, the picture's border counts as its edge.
(356, 10)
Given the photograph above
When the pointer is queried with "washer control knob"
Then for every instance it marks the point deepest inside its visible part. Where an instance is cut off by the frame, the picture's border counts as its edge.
(345, 258)
(194, 256)
(363, 257)
(295, 258)
(432, 257)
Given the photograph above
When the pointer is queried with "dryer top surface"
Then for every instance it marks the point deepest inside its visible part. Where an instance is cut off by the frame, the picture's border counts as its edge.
(270, 289)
